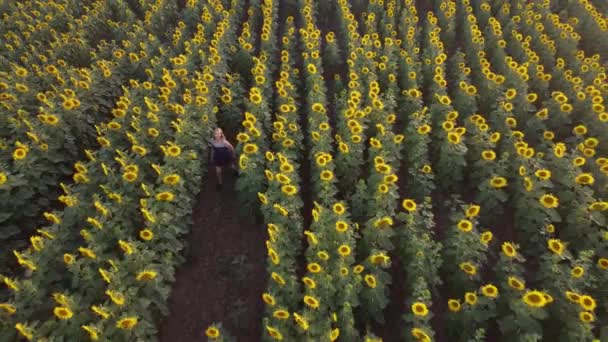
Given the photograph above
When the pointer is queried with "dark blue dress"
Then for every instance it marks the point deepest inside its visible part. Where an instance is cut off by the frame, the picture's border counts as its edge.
(222, 155)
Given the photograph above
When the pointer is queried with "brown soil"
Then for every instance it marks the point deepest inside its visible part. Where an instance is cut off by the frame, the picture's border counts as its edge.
(224, 275)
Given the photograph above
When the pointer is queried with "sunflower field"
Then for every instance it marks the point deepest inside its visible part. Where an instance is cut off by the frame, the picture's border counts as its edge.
(420, 170)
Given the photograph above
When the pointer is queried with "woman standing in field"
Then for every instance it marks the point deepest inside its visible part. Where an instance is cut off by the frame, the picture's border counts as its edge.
(222, 154)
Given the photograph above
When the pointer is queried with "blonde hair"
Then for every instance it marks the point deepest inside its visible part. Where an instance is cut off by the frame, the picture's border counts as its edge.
(223, 137)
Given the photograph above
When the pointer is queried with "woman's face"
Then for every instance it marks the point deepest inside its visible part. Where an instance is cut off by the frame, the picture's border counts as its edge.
(218, 133)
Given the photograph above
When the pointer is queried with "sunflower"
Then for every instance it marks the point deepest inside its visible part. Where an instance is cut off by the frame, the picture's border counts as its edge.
(281, 314)
(127, 323)
(311, 302)
(468, 268)
(68, 259)
(509, 249)
(174, 151)
(286, 168)
(579, 161)
(535, 299)
(301, 321)
(100, 311)
(309, 282)
(409, 205)
(339, 209)
(488, 155)
(87, 253)
(577, 272)
(486, 237)
(126, 247)
(447, 126)
(277, 278)
(465, 225)
(489, 291)
(445, 100)
(341, 226)
(587, 303)
(543, 174)
(573, 297)
(318, 107)
(579, 130)
(586, 317)
(314, 268)
(250, 148)
(146, 275)
(549, 201)
(51, 119)
(585, 179)
(498, 182)
(171, 179)
(375, 143)
(289, 190)
(93, 332)
(255, 98)
(597, 107)
(390, 179)
(559, 149)
(19, 153)
(212, 332)
(165, 196)
(323, 255)
(472, 210)
(370, 281)
(516, 283)
(454, 305)
(326, 175)
(383, 168)
(470, 298)
(603, 263)
(268, 299)
(495, 137)
(358, 269)
(424, 129)
(454, 138)
(420, 335)
(312, 69)
(471, 90)
(511, 93)
(511, 121)
(591, 142)
(63, 312)
(146, 234)
(588, 152)
(556, 246)
(420, 309)
(310, 236)
(242, 137)
(24, 331)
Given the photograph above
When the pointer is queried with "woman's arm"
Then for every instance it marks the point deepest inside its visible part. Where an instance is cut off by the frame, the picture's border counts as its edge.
(231, 148)
(229, 145)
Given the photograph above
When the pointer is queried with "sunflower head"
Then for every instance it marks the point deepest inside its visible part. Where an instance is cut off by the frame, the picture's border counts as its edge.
(489, 291)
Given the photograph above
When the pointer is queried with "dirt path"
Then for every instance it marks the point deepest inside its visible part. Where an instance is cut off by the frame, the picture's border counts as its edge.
(224, 275)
